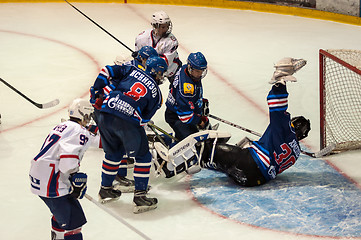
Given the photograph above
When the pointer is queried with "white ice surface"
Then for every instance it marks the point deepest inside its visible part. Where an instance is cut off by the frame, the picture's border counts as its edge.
(48, 51)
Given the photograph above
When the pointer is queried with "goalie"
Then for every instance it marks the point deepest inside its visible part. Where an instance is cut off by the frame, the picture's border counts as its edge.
(256, 162)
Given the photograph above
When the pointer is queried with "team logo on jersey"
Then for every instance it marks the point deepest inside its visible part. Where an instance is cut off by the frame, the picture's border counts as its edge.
(188, 88)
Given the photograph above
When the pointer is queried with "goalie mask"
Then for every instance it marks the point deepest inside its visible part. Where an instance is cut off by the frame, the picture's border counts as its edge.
(159, 18)
(197, 66)
(302, 126)
(82, 110)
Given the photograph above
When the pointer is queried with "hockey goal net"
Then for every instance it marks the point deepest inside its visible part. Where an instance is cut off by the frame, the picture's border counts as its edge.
(340, 98)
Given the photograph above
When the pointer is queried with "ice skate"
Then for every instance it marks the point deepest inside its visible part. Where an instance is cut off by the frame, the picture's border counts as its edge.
(108, 194)
(142, 202)
(123, 184)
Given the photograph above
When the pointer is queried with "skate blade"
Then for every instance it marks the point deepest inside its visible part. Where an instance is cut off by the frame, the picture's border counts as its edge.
(127, 189)
(124, 189)
(108, 200)
(142, 209)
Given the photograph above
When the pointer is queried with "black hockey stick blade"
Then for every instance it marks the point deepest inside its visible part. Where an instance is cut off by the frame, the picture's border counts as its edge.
(39, 105)
(323, 152)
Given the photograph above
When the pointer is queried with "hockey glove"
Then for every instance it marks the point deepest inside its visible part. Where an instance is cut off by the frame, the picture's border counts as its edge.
(78, 184)
(134, 54)
(205, 107)
(93, 129)
(204, 123)
(93, 95)
(95, 99)
(285, 68)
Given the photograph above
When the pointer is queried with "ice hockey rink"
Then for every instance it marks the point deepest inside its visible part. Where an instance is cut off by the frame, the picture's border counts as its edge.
(49, 51)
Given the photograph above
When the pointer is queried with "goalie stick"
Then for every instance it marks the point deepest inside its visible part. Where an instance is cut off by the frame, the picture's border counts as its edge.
(39, 105)
(321, 153)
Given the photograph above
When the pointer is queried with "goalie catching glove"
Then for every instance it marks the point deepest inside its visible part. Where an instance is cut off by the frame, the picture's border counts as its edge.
(285, 68)
(78, 184)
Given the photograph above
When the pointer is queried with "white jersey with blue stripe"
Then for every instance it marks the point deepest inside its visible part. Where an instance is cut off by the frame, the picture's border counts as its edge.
(59, 156)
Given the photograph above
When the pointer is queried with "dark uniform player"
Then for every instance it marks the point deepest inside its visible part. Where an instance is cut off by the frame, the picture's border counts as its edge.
(124, 112)
(106, 82)
(277, 149)
(185, 102)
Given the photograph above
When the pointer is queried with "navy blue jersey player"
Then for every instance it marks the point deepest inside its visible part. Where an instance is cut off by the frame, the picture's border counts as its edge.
(277, 149)
(106, 81)
(185, 103)
(124, 112)
(109, 76)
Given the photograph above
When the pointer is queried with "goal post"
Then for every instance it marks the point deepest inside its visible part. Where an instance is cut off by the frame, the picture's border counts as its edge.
(340, 98)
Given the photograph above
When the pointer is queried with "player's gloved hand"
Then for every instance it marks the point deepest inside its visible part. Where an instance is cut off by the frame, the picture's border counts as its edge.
(93, 129)
(204, 123)
(95, 99)
(285, 68)
(93, 96)
(78, 184)
(134, 54)
(205, 107)
(98, 103)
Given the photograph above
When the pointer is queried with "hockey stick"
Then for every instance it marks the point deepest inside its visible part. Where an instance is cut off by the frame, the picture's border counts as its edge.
(162, 131)
(116, 39)
(120, 219)
(39, 105)
(323, 152)
(318, 154)
(235, 125)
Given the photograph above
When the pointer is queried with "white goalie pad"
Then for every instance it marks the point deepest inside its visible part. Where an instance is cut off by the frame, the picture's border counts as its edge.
(186, 149)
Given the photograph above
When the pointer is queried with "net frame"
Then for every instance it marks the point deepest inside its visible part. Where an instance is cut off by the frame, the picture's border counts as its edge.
(340, 98)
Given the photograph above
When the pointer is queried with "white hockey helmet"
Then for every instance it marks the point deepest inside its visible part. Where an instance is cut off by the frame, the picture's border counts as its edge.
(159, 18)
(81, 109)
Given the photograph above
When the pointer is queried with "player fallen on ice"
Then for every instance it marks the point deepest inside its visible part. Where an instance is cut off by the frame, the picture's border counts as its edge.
(106, 82)
(54, 173)
(125, 111)
(256, 162)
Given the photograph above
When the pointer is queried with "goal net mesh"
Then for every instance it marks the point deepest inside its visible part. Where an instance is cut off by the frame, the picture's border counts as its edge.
(340, 98)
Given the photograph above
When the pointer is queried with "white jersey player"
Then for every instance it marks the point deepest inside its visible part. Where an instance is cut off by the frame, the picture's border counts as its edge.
(163, 41)
(54, 173)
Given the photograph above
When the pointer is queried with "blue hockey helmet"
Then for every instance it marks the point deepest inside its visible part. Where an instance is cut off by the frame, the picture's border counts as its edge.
(197, 61)
(156, 67)
(146, 52)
